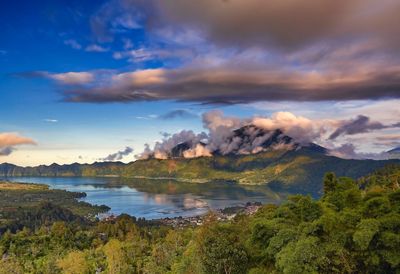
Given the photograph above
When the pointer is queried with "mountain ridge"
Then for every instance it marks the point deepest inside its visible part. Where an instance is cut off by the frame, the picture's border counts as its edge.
(295, 170)
(249, 155)
(247, 139)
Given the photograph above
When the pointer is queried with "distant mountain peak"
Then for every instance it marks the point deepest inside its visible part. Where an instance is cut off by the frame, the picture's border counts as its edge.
(249, 139)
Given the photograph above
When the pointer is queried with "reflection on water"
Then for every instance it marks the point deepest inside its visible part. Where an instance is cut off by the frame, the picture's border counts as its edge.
(159, 198)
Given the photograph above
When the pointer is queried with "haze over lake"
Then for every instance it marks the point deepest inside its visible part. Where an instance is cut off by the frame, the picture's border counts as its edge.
(154, 199)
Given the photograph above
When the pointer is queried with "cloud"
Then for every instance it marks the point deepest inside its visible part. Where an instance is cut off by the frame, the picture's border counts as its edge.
(147, 117)
(388, 141)
(285, 23)
(118, 16)
(72, 78)
(12, 139)
(235, 52)
(349, 151)
(302, 129)
(96, 48)
(165, 134)
(225, 135)
(139, 78)
(73, 44)
(5, 151)
(9, 140)
(128, 44)
(361, 124)
(222, 137)
(228, 85)
(178, 113)
(51, 120)
(118, 155)
(162, 150)
(146, 54)
(390, 137)
(127, 21)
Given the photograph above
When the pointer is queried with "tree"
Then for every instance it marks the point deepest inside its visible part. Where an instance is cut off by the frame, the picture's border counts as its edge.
(10, 265)
(303, 256)
(330, 182)
(74, 263)
(221, 250)
(116, 257)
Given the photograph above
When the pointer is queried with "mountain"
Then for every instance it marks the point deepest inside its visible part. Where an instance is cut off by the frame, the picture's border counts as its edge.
(280, 162)
(248, 139)
(292, 170)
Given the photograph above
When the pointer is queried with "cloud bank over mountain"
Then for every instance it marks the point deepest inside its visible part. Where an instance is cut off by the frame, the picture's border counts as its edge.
(282, 130)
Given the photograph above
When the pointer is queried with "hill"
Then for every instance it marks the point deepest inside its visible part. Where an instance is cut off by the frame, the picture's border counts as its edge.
(296, 170)
(31, 205)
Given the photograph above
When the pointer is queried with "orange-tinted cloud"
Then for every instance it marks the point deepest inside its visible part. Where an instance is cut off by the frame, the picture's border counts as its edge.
(8, 140)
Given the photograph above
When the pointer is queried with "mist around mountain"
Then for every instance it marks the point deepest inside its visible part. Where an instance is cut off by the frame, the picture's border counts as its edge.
(255, 157)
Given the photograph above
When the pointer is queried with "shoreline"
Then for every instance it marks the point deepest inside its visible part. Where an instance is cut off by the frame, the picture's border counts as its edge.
(221, 214)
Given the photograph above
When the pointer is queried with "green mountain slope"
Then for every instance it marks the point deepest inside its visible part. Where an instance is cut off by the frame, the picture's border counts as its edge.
(297, 171)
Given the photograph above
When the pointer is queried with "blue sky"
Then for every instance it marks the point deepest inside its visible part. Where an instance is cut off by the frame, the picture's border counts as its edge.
(85, 79)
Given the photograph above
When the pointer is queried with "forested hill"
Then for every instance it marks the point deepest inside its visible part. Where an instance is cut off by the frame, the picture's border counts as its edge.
(353, 228)
(293, 170)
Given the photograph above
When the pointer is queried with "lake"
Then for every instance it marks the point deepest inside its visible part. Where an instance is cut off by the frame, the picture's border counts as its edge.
(153, 199)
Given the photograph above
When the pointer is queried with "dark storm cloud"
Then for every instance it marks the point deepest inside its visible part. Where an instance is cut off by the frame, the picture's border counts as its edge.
(118, 155)
(361, 124)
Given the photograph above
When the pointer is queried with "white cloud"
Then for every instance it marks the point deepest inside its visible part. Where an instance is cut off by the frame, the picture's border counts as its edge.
(50, 120)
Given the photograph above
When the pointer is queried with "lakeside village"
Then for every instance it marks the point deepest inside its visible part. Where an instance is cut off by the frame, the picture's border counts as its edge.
(225, 214)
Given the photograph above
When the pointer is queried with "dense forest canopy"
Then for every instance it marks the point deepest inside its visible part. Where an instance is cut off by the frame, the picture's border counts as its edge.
(353, 228)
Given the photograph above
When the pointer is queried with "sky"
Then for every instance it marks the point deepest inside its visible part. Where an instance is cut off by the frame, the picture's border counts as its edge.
(85, 81)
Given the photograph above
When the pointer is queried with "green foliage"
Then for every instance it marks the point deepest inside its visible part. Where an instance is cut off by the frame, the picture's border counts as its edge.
(75, 262)
(31, 205)
(221, 250)
(303, 256)
(353, 228)
(365, 231)
(330, 182)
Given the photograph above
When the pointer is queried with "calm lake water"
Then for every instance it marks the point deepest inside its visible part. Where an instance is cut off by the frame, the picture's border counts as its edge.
(154, 199)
